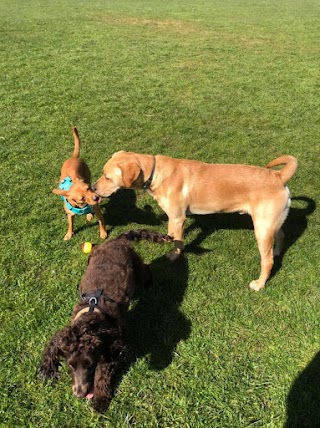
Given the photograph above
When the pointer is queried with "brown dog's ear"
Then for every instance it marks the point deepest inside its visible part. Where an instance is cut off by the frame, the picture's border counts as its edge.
(130, 172)
(60, 192)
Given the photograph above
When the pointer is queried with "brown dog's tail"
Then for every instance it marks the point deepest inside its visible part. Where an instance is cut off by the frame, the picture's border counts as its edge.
(291, 164)
(76, 151)
(148, 235)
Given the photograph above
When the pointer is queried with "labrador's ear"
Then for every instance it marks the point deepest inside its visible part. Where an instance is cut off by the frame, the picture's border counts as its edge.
(130, 172)
(60, 192)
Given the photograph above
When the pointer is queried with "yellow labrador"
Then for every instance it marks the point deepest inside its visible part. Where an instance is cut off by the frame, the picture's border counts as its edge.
(184, 187)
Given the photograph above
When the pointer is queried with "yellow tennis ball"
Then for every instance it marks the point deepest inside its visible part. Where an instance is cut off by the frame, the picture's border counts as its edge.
(86, 247)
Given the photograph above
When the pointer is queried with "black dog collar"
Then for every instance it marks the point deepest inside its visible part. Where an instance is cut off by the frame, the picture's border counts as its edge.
(147, 184)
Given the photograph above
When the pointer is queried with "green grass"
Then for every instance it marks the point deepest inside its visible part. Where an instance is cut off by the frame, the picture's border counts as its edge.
(216, 80)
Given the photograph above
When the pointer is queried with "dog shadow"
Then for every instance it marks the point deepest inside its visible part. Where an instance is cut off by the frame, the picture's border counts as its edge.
(303, 401)
(210, 223)
(293, 228)
(155, 324)
(121, 209)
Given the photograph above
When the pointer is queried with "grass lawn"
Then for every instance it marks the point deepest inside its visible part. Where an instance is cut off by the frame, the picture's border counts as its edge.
(215, 80)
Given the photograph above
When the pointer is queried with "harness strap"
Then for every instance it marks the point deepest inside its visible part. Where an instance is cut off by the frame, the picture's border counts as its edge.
(65, 185)
(92, 300)
(85, 210)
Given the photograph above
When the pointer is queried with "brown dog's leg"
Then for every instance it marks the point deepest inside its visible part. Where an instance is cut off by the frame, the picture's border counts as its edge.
(69, 234)
(98, 213)
(265, 242)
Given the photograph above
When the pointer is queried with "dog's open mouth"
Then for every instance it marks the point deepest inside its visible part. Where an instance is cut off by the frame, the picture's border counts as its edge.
(97, 199)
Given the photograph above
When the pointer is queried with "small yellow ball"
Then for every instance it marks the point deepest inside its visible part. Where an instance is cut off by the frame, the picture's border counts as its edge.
(86, 247)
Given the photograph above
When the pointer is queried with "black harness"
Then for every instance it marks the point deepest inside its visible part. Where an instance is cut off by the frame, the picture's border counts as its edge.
(92, 299)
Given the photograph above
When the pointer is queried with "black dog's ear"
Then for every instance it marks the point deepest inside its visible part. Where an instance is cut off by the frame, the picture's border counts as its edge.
(57, 348)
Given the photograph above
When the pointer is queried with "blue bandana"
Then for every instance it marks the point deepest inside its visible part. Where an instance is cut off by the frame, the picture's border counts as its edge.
(65, 185)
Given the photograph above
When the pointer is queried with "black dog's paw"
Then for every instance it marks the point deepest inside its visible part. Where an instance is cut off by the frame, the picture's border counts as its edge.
(100, 405)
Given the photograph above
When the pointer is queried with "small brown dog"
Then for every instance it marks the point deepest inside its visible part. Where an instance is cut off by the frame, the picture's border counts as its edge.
(75, 190)
(184, 187)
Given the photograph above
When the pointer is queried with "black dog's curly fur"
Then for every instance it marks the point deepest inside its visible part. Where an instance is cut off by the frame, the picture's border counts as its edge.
(92, 344)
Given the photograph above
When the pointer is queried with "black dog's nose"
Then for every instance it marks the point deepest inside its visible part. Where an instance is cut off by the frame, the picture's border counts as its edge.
(79, 391)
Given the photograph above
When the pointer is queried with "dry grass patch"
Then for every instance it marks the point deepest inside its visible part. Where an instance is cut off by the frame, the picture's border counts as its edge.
(170, 25)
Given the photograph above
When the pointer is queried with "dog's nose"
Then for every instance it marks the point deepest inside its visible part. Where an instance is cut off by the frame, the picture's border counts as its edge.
(96, 198)
(94, 188)
(79, 391)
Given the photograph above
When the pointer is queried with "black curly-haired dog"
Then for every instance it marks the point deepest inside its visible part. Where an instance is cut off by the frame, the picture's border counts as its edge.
(92, 344)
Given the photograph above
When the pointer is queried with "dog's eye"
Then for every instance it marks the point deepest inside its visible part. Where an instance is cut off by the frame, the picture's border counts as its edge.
(72, 366)
(87, 364)
(107, 178)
